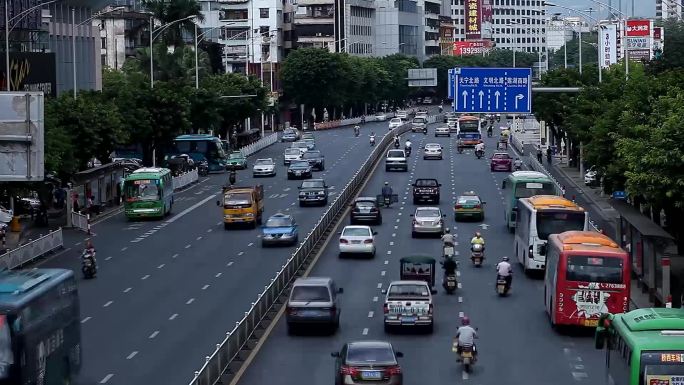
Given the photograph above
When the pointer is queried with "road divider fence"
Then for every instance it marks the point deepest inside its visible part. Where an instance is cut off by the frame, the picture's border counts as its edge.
(183, 180)
(244, 331)
(259, 145)
(80, 221)
(32, 250)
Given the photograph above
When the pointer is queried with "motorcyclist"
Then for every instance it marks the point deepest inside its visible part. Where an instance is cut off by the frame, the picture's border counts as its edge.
(363, 119)
(489, 130)
(396, 141)
(372, 138)
(356, 130)
(232, 177)
(465, 336)
(89, 252)
(477, 240)
(387, 191)
(505, 271)
(407, 147)
(449, 265)
(441, 108)
(517, 163)
(480, 147)
(448, 239)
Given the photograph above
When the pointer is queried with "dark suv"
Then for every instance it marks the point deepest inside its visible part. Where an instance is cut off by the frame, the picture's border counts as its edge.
(365, 209)
(313, 191)
(426, 190)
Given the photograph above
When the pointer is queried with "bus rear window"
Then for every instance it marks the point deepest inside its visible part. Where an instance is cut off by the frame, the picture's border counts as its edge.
(550, 222)
(528, 189)
(584, 268)
(468, 125)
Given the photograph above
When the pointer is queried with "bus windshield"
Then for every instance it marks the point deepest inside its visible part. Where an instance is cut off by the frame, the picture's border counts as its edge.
(528, 189)
(144, 190)
(583, 268)
(550, 222)
(468, 125)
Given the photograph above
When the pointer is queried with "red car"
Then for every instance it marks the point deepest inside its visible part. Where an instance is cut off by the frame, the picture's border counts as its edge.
(501, 161)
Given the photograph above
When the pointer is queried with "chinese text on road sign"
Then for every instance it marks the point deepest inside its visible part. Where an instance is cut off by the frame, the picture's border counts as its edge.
(493, 90)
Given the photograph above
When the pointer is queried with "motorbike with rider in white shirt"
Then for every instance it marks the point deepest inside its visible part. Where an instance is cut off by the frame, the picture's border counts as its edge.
(504, 277)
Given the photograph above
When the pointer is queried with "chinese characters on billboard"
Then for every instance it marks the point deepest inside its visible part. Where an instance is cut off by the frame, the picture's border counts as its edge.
(473, 47)
(608, 45)
(473, 19)
(639, 41)
(638, 28)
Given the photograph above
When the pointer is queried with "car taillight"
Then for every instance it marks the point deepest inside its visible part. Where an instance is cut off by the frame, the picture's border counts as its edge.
(291, 310)
(430, 309)
(342, 240)
(393, 370)
(368, 241)
(459, 207)
(385, 309)
(415, 222)
(478, 206)
(348, 370)
(374, 210)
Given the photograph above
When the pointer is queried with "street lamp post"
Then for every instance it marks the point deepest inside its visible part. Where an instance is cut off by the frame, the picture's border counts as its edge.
(513, 39)
(624, 33)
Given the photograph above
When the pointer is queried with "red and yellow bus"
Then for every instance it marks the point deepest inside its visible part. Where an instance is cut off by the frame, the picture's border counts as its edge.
(587, 274)
(468, 130)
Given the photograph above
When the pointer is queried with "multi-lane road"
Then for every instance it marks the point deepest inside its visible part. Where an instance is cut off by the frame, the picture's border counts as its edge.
(517, 344)
(169, 290)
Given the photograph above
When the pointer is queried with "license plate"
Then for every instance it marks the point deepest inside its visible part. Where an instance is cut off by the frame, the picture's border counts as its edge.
(467, 355)
(426, 197)
(365, 211)
(309, 313)
(591, 322)
(408, 319)
(298, 173)
(356, 242)
(374, 375)
(451, 284)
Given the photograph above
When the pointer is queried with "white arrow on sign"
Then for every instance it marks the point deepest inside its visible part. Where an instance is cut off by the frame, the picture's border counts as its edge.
(484, 226)
(497, 94)
(481, 93)
(465, 98)
(518, 97)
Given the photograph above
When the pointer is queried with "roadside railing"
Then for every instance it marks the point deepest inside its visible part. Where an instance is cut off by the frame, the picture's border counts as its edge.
(185, 179)
(536, 166)
(80, 221)
(33, 250)
(259, 145)
(236, 339)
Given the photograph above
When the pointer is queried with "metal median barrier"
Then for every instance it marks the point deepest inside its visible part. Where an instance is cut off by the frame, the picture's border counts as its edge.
(32, 250)
(186, 179)
(259, 145)
(236, 340)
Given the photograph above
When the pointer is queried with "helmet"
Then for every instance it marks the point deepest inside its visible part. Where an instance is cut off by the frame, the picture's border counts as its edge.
(505, 259)
(465, 321)
(386, 183)
(477, 234)
(446, 230)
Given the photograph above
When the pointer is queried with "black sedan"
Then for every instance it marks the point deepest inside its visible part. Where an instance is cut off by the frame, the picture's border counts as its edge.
(315, 159)
(299, 169)
(365, 209)
(364, 362)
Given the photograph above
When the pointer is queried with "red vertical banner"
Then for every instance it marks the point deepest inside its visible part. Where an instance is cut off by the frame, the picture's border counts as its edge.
(473, 19)
(487, 12)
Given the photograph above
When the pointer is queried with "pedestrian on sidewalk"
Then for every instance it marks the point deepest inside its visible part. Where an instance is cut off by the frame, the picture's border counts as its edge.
(549, 155)
(539, 154)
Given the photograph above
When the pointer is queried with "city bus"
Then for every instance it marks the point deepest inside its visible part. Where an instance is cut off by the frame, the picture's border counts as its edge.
(524, 184)
(200, 147)
(468, 130)
(643, 347)
(40, 327)
(148, 192)
(537, 218)
(587, 275)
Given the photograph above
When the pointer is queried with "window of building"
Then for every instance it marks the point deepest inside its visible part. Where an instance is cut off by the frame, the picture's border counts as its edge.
(104, 42)
(263, 30)
(287, 17)
(263, 13)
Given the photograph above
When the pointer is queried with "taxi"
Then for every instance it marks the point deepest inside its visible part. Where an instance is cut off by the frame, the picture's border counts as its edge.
(469, 205)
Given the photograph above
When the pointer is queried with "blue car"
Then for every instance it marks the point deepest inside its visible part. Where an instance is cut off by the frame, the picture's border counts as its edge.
(280, 229)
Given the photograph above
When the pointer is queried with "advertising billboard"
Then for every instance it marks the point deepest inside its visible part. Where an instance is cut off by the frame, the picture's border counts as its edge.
(472, 47)
(637, 43)
(30, 71)
(473, 19)
(487, 11)
(608, 45)
(640, 27)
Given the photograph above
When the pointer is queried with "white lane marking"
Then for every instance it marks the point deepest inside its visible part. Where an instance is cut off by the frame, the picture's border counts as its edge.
(459, 286)
(173, 316)
(370, 314)
(460, 299)
(133, 354)
(191, 300)
(199, 238)
(380, 285)
(389, 252)
(124, 248)
(187, 246)
(375, 299)
(126, 290)
(136, 240)
(145, 277)
(106, 378)
(394, 235)
(219, 224)
(250, 244)
(218, 275)
(174, 256)
(458, 273)
(108, 258)
(86, 319)
(398, 220)
(108, 303)
(77, 243)
(161, 266)
(240, 253)
(396, 227)
(365, 331)
(399, 215)
(156, 332)
(460, 314)
(386, 262)
(189, 209)
(391, 243)
(205, 287)
(230, 263)
(210, 230)
(382, 273)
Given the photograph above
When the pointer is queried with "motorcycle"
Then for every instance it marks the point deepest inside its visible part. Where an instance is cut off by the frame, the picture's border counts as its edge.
(518, 166)
(386, 200)
(489, 132)
(501, 286)
(88, 266)
(466, 356)
(203, 168)
(425, 130)
(479, 154)
(372, 141)
(477, 255)
(459, 148)
(232, 177)
(363, 119)
(407, 150)
(356, 131)
(396, 144)
(449, 283)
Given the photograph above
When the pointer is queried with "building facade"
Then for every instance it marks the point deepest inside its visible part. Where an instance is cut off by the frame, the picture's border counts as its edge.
(122, 33)
(668, 9)
(399, 28)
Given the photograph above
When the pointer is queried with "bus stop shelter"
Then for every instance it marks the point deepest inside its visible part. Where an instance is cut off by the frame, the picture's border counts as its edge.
(653, 254)
(99, 182)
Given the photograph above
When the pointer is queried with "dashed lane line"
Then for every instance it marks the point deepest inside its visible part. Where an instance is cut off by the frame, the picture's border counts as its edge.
(205, 287)
(191, 300)
(106, 378)
(173, 316)
(365, 331)
(174, 256)
(380, 285)
(370, 314)
(86, 319)
(108, 303)
(154, 334)
(133, 354)
(375, 299)
(144, 277)
(126, 290)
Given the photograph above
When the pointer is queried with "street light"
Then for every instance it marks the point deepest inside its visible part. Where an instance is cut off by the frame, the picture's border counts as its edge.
(9, 29)
(158, 31)
(198, 39)
(512, 40)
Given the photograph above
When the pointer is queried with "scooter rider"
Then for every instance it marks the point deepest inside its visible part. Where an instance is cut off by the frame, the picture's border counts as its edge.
(517, 163)
(232, 177)
(480, 147)
(372, 138)
(89, 252)
(356, 130)
(387, 191)
(448, 239)
(505, 271)
(407, 147)
(396, 141)
(465, 336)
(477, 240)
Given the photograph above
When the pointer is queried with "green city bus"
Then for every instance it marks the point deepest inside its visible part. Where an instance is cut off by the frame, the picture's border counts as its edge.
(524, 184)
(148, 192)
(643, 347)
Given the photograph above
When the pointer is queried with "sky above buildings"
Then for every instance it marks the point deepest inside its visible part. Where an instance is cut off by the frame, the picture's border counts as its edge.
(643, 8)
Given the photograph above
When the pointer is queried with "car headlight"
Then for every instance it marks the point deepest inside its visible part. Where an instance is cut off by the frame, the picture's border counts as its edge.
(249, 215)
(301, 194)
(321, 193)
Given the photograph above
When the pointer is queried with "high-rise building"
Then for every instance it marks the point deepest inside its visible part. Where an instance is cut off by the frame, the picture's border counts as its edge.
(668, 9)
(560, 30)
(399, 28)
(122, 33)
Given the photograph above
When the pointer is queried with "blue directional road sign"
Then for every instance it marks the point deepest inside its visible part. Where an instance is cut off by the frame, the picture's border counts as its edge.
(493, 90)
(450, 83)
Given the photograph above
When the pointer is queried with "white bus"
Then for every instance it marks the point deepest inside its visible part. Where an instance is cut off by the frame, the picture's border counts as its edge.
(538, 217)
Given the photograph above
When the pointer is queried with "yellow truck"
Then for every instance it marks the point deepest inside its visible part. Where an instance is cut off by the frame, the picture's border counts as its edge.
(242, 205)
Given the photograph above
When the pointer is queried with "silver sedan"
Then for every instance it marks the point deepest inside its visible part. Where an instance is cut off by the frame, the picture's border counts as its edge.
(264, 167)
(432, 151)
(427, 220)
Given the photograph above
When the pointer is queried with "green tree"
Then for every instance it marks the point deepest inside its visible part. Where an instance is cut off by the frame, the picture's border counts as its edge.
(170, 11)
(311, 76)
(589, 52)
(673, 48)
(233, 93)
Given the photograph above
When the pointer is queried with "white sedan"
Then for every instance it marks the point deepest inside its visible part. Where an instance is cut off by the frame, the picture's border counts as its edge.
(395, 123)
(264, 167)
(442, 131)
(357, 240)
(380, 117)
(432, 151)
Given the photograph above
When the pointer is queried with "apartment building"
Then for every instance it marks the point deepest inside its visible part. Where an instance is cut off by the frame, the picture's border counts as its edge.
(122, 33)
(668, 9)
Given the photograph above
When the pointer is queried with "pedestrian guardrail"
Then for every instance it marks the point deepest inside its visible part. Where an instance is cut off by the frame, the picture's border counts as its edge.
(536, 166)
(236, 339)
(80, 221)
(32, 250)
(259, 145)
(185, 179)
